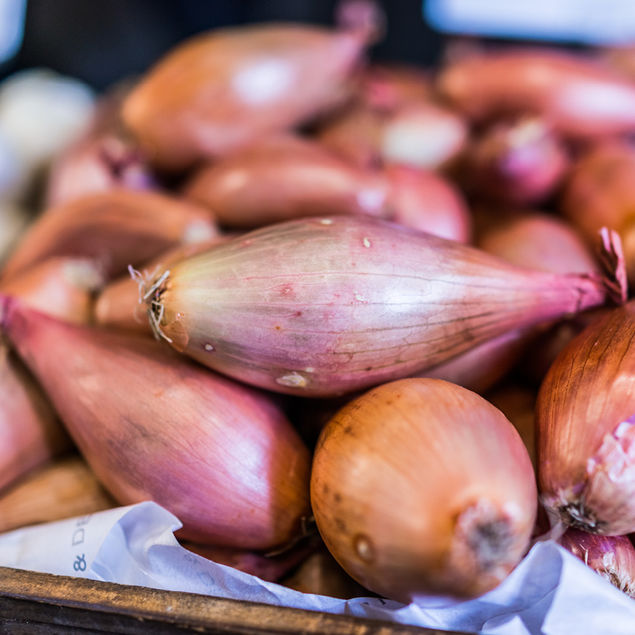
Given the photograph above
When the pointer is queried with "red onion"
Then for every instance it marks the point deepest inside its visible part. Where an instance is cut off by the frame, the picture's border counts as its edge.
(323, 306)
(220, 456)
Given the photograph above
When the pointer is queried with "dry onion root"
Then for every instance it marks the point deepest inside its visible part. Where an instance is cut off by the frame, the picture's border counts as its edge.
(586, 428)
(612, 557)
(220, 456)
(422, 487)
(324, 306)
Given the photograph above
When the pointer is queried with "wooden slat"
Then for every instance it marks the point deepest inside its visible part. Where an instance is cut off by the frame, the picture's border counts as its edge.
(36, 603)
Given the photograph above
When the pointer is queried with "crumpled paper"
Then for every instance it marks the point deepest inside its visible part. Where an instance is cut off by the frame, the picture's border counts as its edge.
(550, 592)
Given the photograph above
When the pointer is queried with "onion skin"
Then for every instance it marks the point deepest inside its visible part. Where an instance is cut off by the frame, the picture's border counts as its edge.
(613, 557)
(425, 201)
(485, 365)
(600, 192)
(387, 87)
(30, 433)
(61, 489)
(519, 163)
(320, 574)
(114, 229)
(422, 487)
(585, 432)
(60, 287)
(220, 91)
(311, 306)
(284, 178)
(119, 304)
(518, 403)
(579, 97)
(539, 241)
(220, 456)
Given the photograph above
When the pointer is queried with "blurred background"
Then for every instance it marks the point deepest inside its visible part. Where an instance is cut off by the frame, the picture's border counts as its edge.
(101, 42)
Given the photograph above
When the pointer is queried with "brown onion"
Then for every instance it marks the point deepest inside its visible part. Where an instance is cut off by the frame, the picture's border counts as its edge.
(283, 178)
(422, 487)
(30, 433)
(61, 489)
(520, 162)
(601, 192)
(578, 96)
(61, 287)
(320, 574)
(328, 305)
(613, 557)
(222, 90)
(114, 229)
(386, 87)
(585, 429)
(220, 456)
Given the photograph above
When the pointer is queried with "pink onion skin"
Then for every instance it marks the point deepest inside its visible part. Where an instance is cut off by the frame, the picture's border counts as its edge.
(580, 97)
(324, 306)
(114, 229)
(283, 178)
(483, 366)
(425, 201)
(222, 90)
(220, 456)
(613, 557)
(270, 568)
(61, 287)
(600, 192)
(586, 448)
(539, 241)
(520, 162)
(30, 434)
(119, 304)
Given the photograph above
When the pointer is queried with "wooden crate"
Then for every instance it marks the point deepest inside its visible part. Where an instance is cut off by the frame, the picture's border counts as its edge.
(41, 603)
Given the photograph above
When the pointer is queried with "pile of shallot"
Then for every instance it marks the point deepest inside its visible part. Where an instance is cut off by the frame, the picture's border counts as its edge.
(321, 309)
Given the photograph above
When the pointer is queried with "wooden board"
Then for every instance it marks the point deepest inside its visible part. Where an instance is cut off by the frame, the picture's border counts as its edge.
(41, 603)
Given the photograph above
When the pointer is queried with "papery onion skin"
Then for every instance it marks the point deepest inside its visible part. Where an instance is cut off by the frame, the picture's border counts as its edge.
(222, 90)
(61, 489)
(119, 304)
(585, 428)
(114, 229)
(30, 433)
(61, 287)
(600, 192)
(283, 178)
(612, 557)
(425, 201)
(328, 305)
(422, 487)
(220, 456)
(578, 96)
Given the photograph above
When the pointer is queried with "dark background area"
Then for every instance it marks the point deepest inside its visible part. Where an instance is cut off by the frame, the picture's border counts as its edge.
(102, 41)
